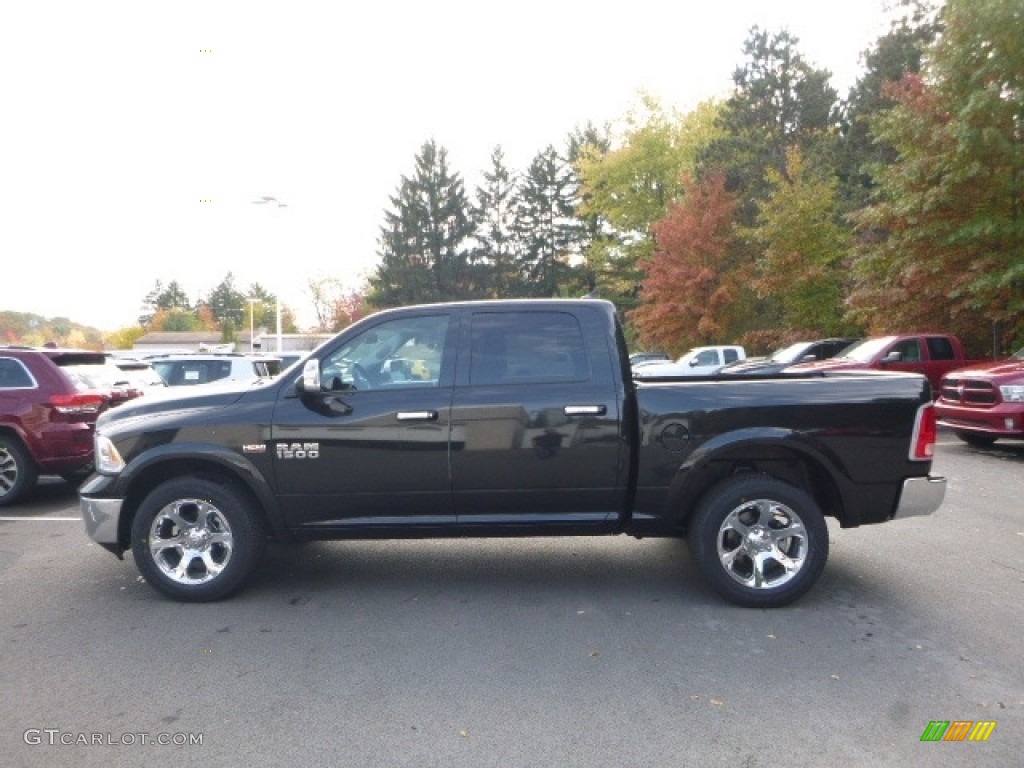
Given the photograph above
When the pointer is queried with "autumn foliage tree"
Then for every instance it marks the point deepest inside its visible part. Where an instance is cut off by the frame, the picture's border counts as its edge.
(689, 284)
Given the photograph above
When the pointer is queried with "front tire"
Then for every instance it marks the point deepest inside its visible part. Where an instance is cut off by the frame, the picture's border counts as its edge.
(975, 440)
(758, 541)
(196, 540)
(18, 473)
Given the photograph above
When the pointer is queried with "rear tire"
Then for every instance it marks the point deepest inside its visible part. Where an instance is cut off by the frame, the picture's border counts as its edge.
(197, 540)
(18, 473)
(758, 541)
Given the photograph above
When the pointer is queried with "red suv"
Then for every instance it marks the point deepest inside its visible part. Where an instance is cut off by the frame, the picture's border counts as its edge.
(49, 402)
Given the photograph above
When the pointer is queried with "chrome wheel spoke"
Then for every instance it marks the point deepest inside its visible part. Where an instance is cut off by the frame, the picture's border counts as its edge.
(198, 534)
(762, 544)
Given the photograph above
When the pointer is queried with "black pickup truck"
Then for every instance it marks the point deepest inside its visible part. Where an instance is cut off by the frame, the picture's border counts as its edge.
(508, 418)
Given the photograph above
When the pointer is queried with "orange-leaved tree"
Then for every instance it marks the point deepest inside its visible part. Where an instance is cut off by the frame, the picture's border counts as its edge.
(690, 285)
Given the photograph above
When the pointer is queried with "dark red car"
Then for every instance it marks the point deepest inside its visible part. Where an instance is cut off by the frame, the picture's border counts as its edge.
(49, 402)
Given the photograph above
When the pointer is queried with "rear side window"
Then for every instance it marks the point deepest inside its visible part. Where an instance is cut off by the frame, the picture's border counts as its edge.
(526, 347)
(730, 355)
(14, 375)
(940, 348)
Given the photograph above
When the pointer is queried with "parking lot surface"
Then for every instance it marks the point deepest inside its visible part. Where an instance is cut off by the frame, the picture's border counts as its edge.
(532, 652)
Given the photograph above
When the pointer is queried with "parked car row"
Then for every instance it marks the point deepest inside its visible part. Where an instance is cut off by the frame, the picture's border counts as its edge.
(699, 361)
(50, 399)
(733, 360)
(49, 402)
(204, 368)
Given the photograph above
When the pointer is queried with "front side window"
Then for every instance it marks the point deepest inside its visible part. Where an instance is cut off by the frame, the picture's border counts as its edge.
(405, 352)
(907, 351)
(526, 347)
(707, 357)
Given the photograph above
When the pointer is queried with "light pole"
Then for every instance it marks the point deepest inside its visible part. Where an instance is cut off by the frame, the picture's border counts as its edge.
(265, 200)
(252, 327)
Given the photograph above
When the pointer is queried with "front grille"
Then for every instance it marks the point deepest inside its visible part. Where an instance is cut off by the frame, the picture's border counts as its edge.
(969, 392)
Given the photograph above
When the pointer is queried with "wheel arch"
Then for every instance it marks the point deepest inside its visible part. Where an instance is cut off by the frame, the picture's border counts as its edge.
(14, 432)
(222, 467)
(783, 454)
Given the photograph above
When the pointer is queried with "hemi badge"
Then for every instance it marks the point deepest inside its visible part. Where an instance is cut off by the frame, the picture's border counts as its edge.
(258, 448)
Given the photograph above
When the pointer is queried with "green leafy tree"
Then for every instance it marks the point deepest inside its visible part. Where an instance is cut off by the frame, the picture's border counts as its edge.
(174, 319)
(125, 338)
(803, 249)
(629, 187)
(942, 245)
(425, 241)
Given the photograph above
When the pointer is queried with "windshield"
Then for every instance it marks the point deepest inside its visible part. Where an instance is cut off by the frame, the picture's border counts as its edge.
(789, 354)
(865, 350)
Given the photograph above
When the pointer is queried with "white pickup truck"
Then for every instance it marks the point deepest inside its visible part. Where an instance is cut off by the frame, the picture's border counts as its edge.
(699, 361)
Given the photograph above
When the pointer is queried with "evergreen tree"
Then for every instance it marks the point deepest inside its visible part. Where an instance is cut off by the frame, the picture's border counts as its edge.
(228, 303)
(895, 54)
(494, 217)
(780, 102)
(547, 228)
(424, 243)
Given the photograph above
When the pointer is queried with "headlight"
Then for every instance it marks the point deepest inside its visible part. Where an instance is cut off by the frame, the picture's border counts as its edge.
(107, 458)
(1013, 393)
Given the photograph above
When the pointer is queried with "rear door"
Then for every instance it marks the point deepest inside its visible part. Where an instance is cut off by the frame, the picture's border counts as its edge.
(535, 421)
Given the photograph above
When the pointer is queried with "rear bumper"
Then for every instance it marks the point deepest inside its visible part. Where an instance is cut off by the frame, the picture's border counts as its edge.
(920, 496)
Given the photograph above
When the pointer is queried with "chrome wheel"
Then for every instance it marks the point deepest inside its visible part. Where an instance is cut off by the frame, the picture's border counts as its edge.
(758, 541)
(762, 544)
(18, 473)
(190, 541)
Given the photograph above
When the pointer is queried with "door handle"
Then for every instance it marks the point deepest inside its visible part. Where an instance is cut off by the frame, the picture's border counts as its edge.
(417, 415)
(585, 410)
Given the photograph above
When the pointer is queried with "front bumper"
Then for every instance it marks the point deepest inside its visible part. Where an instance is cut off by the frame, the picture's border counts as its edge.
(920, 496)
(101, 505)
(1001, 420)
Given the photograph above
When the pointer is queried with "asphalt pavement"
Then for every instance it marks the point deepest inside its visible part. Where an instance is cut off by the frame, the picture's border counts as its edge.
(531, 652)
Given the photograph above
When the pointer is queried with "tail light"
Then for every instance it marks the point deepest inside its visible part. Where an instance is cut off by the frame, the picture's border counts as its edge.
(926, 432)
(78, 403)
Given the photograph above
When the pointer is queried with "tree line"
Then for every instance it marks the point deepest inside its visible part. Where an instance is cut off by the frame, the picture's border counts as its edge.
(778, 213)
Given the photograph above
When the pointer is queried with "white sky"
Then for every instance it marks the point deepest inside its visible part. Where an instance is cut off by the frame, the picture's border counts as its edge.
(116, 122)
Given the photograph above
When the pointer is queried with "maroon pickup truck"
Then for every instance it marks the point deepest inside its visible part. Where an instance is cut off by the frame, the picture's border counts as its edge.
(931, 354)
(985, 402)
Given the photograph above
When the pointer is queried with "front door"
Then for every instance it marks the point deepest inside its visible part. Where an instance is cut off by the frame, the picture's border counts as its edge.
(371, 448)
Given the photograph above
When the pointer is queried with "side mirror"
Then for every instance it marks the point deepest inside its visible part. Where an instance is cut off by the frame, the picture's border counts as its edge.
(310, 381)
(892, 357)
